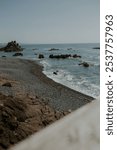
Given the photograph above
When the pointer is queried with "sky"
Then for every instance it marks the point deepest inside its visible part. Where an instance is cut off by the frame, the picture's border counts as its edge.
(50, 21)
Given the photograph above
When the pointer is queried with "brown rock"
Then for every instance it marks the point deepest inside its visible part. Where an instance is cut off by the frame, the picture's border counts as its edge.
(20, 118)
(8, 84)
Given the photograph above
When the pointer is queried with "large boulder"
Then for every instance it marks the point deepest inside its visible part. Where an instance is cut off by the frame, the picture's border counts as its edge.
(12, 46)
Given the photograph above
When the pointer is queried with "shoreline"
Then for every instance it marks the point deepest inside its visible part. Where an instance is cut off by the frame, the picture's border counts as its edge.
(30, 101)
(33, 81)
(79, 78)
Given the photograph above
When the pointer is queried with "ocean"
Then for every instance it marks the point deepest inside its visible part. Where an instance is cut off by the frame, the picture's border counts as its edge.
(67, 71)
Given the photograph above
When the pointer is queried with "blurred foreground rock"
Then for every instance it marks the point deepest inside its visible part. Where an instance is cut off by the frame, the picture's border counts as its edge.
(20, 118)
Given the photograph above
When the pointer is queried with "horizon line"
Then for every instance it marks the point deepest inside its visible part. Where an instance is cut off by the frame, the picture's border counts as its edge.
(54, 43)
(64, 43)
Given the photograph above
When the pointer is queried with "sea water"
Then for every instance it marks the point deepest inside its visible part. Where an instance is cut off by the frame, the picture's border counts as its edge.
(69, 72)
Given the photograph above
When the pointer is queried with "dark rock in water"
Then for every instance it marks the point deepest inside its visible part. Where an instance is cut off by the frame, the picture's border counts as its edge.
(85, 64)
(96, 47)
(41, 56)
(18, 54)
(51, 56)
(12, 47)
(7, 84)
(34, 49)
(55, 72)
(76, 56)
(69, 48)
(53, 49)
(63, 56)
(3, 56)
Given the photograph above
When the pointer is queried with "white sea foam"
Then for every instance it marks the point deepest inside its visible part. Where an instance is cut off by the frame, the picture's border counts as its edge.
(45, 63)
(81, 84)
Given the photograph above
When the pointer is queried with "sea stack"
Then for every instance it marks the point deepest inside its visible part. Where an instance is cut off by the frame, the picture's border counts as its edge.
(12, 46)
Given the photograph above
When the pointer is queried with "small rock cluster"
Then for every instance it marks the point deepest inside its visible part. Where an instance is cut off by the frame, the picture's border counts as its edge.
(63, 56)
(53, 49)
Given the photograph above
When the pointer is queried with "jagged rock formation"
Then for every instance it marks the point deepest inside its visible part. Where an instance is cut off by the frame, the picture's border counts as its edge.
(12, 46)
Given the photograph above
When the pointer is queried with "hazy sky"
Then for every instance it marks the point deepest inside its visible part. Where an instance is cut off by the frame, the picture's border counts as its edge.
(49, 21)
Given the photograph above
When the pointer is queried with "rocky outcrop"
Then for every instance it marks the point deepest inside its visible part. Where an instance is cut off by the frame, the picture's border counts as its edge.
(12, 46)
(64, 56)
(53, 49)
(85, 64)
(41, 56)
(76, 56)
(3, 56)
(18, 54)
(55, 72)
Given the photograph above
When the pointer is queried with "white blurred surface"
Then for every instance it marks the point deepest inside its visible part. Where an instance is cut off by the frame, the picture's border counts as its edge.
(79, 130)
